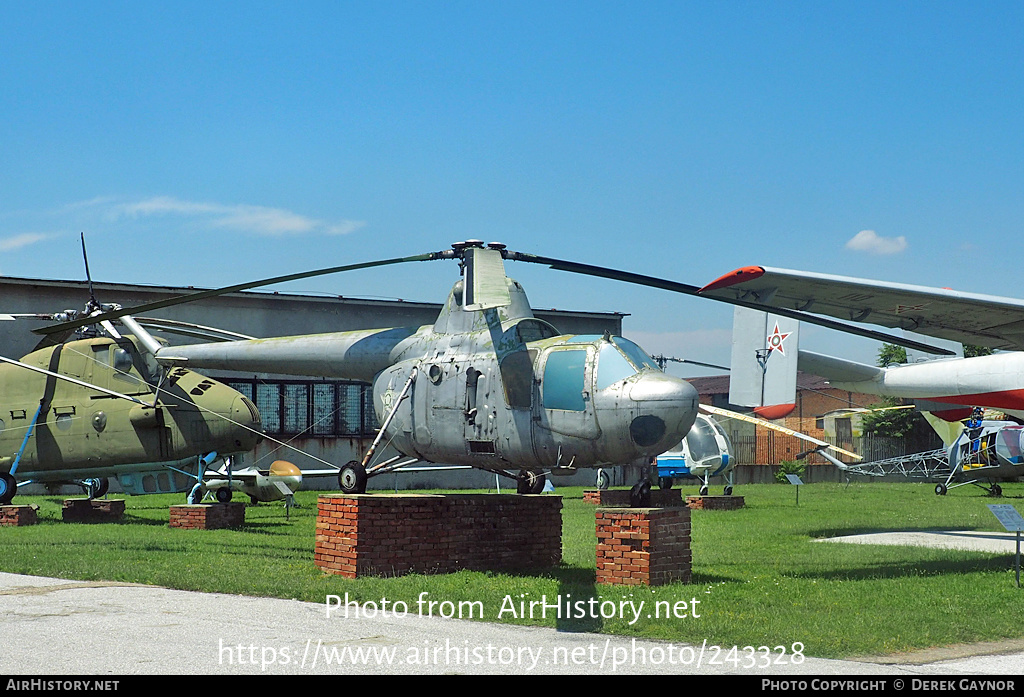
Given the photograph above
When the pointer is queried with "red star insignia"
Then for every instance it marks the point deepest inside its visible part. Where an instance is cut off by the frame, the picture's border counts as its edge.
(775, 340)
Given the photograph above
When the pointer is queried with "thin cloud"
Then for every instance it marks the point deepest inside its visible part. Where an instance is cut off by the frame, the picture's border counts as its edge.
(9, 244)
(261, 220)
(871, 242)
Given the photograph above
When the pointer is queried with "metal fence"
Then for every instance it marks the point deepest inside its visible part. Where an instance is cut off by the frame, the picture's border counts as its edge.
(771, 448)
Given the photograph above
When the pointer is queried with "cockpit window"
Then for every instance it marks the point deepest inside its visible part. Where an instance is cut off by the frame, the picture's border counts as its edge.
(701, 441)
(635, 354)
(612, 366)
(1011, 445)
(564, 375)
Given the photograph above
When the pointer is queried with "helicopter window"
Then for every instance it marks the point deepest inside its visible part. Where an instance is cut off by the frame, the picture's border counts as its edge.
(701, 441)
(122, 360)
(612, 366)
(635, 354)
(517, 378)
(564, 376)
(535, 330)
(1011, 445)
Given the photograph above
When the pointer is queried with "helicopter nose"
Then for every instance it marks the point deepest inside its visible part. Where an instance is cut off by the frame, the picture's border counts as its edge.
(666, 408)
(250, 426)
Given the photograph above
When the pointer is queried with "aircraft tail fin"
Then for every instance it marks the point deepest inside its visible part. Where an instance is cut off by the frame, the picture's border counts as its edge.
(763, 366)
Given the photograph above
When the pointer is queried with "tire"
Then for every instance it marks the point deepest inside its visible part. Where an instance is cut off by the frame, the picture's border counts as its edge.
(223, 495)
(538, 484)
(703, 490)
(603, 480)
(665, 482)
(997, 490)
(940, 489)
(728, 491)
(352, 478)
(99, 488)
(529, 482)
(8, 488)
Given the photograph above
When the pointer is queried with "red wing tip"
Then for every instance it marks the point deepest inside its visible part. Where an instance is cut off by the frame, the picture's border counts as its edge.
(747, 273)
(775, 411)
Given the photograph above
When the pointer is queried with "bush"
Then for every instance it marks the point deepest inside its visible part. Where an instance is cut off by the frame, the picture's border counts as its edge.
(796, 467)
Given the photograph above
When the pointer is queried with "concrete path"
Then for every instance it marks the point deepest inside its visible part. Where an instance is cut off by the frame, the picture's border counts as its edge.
(998, 542)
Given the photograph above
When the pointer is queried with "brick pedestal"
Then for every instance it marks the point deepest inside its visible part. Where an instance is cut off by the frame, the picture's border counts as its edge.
(715, 503)
(660, 498)
(397, 534)
(643, 546)
(208, 516)
(92, 510)
(15, 516)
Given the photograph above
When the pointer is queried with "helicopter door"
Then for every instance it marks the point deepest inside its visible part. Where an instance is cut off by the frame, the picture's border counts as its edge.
(480, 413)
(565, 405)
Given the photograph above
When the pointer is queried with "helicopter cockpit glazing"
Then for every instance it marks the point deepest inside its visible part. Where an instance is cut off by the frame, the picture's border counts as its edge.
(1010, 444)
(617, 360)
(701, 441)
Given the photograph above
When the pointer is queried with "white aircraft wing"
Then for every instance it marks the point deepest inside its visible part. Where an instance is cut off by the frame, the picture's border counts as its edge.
(985, 320)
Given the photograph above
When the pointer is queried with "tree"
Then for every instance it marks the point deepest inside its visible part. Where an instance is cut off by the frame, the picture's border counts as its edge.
(891, 354)
(895, 423)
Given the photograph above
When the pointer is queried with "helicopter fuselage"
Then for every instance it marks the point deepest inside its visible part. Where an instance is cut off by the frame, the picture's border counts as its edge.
(77, 432)
(493, 388)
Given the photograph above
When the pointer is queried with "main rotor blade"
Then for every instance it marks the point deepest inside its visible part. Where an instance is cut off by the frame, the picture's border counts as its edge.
(200, 295)
(687, 289)
(88, 276)
(718, 411)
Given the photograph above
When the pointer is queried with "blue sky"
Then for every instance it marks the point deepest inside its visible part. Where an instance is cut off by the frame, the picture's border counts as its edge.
(208, 143)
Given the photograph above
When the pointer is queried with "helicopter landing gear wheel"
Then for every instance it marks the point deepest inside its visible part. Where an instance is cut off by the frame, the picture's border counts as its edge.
(940, 489)
(996, 490)
(8, 488)
(665, 482)
(704, 490)
(603, 480)
(223, 495)
(352, 478)
(728, 491)
(529, 482)
(96, 488)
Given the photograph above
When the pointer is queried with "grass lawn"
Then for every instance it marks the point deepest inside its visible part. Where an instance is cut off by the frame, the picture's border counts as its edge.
(759, 575)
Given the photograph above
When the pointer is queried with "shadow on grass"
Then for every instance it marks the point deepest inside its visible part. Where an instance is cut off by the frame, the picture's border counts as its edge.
(827, 533)
(908, 569)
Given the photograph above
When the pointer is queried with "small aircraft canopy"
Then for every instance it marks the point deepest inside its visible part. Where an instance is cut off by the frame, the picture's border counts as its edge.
(1010, 444)
(701, 441)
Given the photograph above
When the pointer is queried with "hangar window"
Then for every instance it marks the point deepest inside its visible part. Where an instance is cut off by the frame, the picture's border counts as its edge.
(315, 409)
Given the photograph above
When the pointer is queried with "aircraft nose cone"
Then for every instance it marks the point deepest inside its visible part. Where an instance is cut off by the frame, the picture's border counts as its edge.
(667, 408)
